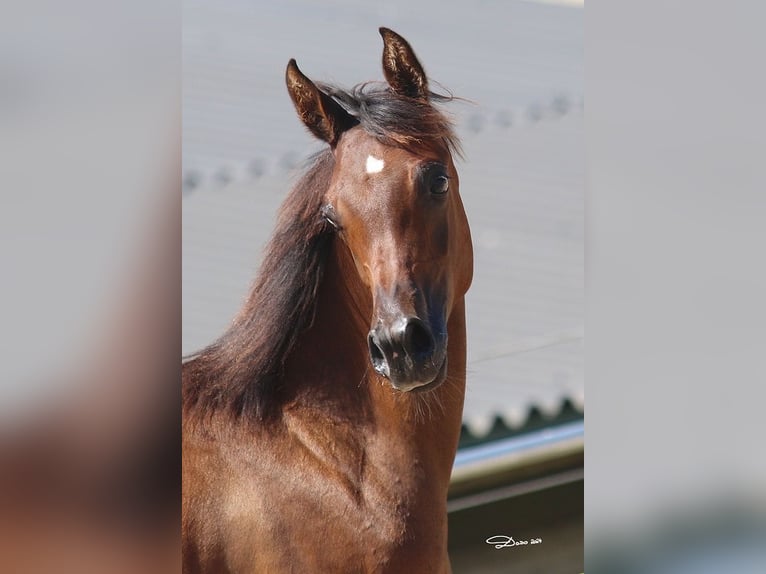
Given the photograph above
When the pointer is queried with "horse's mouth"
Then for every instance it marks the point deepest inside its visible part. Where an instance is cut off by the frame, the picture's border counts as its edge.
(440, 377)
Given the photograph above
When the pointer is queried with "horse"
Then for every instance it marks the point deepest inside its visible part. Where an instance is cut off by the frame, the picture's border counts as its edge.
(320, 430)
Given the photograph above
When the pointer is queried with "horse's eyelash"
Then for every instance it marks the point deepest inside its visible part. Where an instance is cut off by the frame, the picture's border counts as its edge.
(327, 212)
(436, 168)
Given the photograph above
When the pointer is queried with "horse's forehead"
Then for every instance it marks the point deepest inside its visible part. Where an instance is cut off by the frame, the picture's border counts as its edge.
(359, 145)
(363, 156)
(374, 164)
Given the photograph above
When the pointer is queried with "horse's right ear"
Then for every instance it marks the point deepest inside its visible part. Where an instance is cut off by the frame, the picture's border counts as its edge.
(322, 115)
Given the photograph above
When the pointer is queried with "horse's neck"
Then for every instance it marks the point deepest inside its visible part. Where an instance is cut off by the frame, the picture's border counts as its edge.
(332, 385)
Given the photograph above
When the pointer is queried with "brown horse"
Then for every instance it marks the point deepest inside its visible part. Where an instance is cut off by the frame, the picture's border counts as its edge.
(297, 456)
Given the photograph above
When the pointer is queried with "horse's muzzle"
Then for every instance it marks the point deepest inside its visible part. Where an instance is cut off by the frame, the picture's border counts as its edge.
(407, 354)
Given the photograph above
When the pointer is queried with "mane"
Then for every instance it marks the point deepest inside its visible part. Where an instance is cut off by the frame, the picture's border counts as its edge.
(240, 373)
(397, 120)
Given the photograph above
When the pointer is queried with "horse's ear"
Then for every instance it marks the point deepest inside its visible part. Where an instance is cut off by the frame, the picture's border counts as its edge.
(326, 119)
(403, 71)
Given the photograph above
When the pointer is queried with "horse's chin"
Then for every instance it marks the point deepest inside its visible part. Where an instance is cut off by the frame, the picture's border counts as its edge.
(440, 377)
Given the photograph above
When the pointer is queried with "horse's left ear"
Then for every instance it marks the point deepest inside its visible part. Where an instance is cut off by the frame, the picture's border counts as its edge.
(322, 115)
(402, 69)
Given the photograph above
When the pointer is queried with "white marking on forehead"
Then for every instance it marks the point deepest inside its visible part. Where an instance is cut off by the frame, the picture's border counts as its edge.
(374, 165)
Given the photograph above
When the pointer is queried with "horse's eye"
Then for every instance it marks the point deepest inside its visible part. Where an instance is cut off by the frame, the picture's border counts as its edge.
(440, 185)
(328, 213)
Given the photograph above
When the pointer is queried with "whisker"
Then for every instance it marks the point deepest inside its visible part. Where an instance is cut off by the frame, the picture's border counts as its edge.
(364, 376)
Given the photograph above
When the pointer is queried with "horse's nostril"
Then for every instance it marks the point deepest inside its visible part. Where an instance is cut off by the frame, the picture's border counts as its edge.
(376, 356)
(418, 339)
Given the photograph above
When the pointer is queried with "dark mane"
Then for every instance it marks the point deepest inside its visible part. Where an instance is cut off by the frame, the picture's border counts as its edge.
(240, 372)
(397, 120)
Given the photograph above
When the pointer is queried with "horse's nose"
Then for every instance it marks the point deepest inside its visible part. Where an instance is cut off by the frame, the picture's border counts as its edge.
(378, 354)
(416, 339)
(403, 350)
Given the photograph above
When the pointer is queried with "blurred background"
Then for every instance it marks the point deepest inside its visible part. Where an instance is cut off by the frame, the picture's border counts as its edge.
(520, 65)
(90, 275)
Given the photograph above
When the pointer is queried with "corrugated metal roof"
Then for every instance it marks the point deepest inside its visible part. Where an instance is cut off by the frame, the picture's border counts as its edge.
(521, 64)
